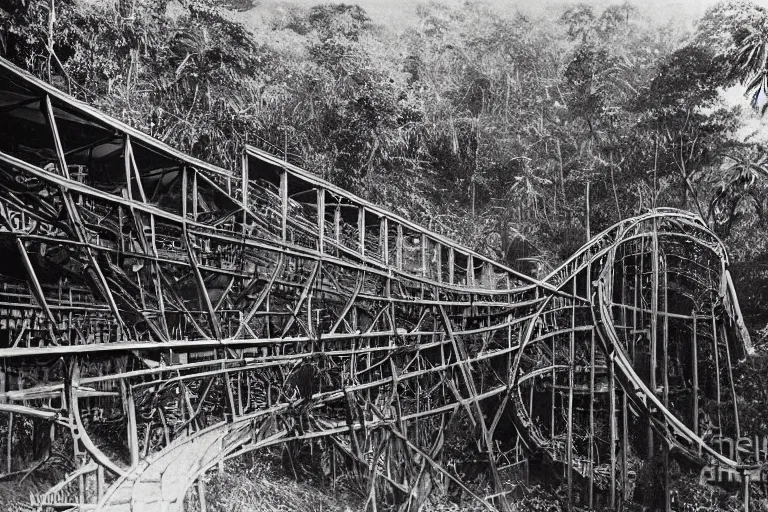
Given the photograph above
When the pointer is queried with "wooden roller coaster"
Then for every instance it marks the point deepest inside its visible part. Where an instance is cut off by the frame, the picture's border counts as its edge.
(160, 315)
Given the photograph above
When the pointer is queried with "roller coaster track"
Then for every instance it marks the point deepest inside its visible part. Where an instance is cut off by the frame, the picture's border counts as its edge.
(160, 315)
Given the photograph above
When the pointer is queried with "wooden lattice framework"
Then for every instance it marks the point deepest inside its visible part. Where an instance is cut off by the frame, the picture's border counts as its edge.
(202, 313)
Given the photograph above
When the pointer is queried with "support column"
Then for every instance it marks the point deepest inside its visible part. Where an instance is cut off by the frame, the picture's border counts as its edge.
(129, 408)
(612, 428)
(654, 323)
(571, 358)
(321, 220)
(284, 205)
(361, 229)
(243, 188)
(695, 378)
(591, 418)
(665, 382)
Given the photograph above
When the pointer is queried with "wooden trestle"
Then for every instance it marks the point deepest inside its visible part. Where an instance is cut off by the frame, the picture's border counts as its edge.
(160, 315)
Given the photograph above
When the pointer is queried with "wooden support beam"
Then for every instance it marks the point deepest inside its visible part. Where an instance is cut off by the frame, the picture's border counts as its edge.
(321, 220)
(729, 365)
(470, 270)
(284, 205)
(302, 298)
(201, 493)
(130, 161)
(451, 265)
(184, 190)
(361, 229)
(130, 411)
(384, 240)
(337, 228)
(554, 382)
(695, 378)
(612, 429)
(76, 222)
(9, 445)
(244, 183)
(202, 290)
(624, 405)
(665, 383)
(591, 419)
(195, 195)
(624, 446)
(37, 290)
(655, 255)
(399, 247)
(717, 369)
(439, 261)
(571, 363)
(350, 302)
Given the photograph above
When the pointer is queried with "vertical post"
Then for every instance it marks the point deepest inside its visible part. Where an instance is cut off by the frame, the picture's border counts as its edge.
(470, 270)
(399, 247)
(665, 381)
(571, 358)
(284, 205)
(624, 446)
(9, 446)
(695, 378)
(99, 482)
(612, 428)
(640, 289)
(184, 192)
(554, 383)
(201, 494)
(591, 418)
(310, 326)
(130, 411)
(624, 419)
(717, 371)
(337, 227)
(439, 260)
(320, 220)
(424, 262)
(724, 334)
(194, 196)
(451, 264)
(243, 188)
(654, 322)
(384, 236)
(745, 479)
(588, 214)
(153, 236)
(81, 488)
(127, 163)
(361, 228)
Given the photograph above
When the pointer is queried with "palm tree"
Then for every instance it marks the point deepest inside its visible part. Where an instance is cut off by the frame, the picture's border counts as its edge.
(751, 65)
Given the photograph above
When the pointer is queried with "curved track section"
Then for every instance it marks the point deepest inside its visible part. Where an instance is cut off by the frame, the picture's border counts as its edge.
(160, 315)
